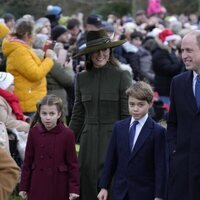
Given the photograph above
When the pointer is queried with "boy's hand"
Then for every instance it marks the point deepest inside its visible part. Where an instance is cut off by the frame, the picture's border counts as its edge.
(23, 194)
(73, 196)
(103, 194)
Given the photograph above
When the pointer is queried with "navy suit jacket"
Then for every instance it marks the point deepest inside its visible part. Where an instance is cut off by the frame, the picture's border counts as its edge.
(183, 137)
(139, 174)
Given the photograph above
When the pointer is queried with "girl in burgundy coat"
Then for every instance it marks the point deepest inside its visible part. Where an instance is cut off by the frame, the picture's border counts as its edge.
(50, 168)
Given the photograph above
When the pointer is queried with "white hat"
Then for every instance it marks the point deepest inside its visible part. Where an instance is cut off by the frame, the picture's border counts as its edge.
(154, 32)
(6, 79)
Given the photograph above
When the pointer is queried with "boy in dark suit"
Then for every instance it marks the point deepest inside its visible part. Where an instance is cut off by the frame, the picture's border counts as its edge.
(136, 154)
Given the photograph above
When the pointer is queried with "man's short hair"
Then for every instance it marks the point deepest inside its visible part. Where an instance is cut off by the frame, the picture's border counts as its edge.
(73, 22)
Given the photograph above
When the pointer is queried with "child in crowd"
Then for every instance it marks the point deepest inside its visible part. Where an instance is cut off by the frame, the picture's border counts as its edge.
(50, 168)
(11, 113)
(16, 123)
(136, 153)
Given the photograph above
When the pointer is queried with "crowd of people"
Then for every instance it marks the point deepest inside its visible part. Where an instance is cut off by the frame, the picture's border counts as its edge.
(126, 90)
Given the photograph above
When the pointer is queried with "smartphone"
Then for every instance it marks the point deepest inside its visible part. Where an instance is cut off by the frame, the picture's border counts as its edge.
(49, 45)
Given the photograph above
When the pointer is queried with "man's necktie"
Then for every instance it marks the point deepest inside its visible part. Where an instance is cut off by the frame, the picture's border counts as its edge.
(197, 91)
(132, 134)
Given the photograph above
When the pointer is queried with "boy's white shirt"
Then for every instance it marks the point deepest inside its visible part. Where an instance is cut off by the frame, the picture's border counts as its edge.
(138, 127)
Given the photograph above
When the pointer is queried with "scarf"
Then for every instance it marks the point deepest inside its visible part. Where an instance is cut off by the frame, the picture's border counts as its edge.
(13, 101)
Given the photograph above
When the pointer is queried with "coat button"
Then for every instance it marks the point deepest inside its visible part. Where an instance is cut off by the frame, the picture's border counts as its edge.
(42, 157)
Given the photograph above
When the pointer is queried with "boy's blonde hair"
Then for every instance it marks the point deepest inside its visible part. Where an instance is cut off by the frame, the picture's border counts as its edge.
(141, 90)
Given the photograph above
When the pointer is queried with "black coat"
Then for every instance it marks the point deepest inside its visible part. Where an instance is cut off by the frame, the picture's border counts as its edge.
(165, 65)
(184, 140)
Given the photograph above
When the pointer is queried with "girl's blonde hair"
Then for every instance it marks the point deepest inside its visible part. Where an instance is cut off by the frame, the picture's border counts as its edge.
(141, 90)
(48, 100)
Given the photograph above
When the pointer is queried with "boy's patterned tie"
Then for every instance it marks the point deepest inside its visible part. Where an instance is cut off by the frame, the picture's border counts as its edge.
(197, 91)
(132, 134)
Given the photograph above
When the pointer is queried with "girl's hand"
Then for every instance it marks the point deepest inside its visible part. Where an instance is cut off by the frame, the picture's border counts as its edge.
(73, 196)
(23, 194)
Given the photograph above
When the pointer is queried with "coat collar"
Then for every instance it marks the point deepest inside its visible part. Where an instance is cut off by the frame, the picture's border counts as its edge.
(55, 130)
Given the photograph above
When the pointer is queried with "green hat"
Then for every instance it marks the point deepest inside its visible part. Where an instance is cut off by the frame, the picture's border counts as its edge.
(97, 40)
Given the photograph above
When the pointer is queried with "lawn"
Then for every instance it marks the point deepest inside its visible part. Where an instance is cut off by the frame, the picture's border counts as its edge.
(14, 197)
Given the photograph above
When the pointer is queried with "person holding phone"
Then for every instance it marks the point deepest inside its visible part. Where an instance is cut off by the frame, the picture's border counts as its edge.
(61, 35)
(27, 68)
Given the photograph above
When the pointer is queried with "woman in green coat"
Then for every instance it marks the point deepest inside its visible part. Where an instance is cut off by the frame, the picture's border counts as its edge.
(100, 100)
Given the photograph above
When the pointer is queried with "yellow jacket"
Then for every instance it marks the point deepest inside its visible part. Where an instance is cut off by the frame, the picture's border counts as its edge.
(9, 174)
(29, 72)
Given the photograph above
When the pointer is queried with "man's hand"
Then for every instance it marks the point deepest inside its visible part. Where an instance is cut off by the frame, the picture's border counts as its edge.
(103, 194)
(158, 198)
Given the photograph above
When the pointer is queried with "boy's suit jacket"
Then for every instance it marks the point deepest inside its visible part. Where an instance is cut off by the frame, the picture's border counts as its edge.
(140, 174)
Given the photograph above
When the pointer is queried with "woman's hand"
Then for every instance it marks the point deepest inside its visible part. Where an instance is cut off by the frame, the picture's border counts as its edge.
(73, 196)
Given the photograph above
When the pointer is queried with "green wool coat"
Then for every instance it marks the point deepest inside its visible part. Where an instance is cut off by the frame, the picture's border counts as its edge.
(100, 100)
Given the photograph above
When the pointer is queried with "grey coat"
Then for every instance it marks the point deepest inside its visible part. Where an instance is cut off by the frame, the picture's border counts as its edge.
(58, 79)
(100, 100)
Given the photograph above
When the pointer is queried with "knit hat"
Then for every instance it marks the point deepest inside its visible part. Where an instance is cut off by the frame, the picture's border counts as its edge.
(94, 20)
(167, 35)
(57, 31)
(4, 30)
(6, 79)
(97, 40)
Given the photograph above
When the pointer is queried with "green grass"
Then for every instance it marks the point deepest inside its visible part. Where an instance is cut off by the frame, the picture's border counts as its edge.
(13, 197)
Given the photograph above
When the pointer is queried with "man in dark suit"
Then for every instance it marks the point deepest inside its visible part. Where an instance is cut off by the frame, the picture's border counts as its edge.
(138, 167)
(183, 132)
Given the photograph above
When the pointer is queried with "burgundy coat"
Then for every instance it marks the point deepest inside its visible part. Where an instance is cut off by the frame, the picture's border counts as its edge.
(50, 168)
